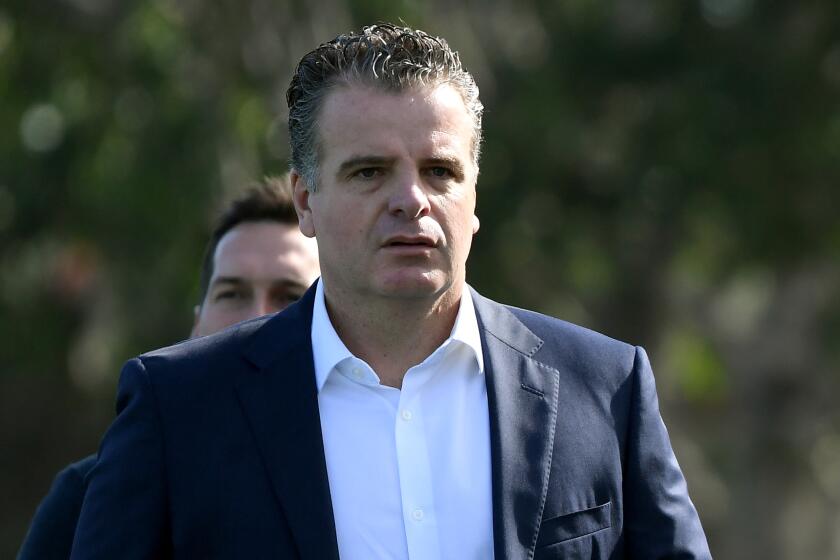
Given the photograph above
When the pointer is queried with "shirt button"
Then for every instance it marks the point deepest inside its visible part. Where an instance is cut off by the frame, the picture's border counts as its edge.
(407, 415)
(417, 514)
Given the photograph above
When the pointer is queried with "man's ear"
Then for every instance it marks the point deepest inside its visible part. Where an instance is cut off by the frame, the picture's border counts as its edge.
(300, 196)
(196, 317)
(475, 224)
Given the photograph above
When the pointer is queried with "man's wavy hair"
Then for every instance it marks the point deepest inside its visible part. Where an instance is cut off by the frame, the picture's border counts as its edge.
(385, 56)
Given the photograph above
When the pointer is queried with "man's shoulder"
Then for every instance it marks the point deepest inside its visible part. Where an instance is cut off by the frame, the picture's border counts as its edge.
(78, 471)
(51, 532)
(595, 358)
(70, 482)
(560, 343)
(221, 352)
(206, 346)
(547, 327)
(557, 330)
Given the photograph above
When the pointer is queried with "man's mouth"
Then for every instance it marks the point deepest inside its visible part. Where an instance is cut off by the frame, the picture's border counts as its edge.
(419, 241)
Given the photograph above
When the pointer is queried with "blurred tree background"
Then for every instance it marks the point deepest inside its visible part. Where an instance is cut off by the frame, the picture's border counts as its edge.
(664, 172)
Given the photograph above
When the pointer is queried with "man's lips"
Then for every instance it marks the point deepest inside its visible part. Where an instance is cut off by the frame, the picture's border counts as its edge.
(410, 241)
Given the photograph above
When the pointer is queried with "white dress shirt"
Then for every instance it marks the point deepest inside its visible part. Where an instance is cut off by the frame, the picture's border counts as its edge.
(409, 469)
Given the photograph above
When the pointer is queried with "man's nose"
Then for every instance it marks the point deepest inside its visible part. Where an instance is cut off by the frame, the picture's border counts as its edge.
(408, 197)
(263, 305)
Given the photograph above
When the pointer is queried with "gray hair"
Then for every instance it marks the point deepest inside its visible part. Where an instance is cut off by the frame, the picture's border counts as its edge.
(383, 55)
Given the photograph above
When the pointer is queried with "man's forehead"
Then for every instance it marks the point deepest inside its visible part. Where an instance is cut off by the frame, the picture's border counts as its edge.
(360, 121)
(261, 245)
(251, 234)
(351, 99)
(247, 269)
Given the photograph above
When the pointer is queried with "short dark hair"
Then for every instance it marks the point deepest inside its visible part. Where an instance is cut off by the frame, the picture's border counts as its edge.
(269, 200)
(385, 56)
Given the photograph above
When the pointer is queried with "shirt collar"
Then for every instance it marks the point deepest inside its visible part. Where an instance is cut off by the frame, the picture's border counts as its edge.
(327, 348)
(466, 327)
(329, 351)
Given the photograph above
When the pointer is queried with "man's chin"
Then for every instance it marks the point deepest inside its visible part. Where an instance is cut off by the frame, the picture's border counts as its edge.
(428, 285)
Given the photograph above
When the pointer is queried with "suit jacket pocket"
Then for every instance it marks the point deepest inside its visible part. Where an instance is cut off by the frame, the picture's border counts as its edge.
(573, 525)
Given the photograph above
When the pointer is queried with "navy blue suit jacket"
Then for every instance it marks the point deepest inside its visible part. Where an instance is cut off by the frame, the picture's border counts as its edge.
(50, 534)
(216, 450)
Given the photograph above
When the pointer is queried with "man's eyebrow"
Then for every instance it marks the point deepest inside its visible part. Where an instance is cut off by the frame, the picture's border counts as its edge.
(290, 283)
(453, 163)
(235, 280)
(363, 161)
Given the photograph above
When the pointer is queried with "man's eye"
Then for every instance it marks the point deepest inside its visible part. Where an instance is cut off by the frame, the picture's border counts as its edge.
(227, 294)
(284, 298)
(440, 172)
(367, 173)
(292, 297)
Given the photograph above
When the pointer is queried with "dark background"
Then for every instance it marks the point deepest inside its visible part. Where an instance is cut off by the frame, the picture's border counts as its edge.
(666, 172)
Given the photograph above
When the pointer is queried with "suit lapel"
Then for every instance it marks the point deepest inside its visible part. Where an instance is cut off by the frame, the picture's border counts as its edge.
(522, 396)
(281, 404)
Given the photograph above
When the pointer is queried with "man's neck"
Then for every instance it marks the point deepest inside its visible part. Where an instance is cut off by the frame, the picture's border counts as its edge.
(394, 335)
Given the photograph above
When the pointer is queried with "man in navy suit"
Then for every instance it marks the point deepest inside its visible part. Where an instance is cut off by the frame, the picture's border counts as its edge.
(256, 262)
(392, 412)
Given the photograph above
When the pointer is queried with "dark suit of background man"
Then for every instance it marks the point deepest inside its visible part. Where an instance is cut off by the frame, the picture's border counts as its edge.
(257, 262)
(392, 412)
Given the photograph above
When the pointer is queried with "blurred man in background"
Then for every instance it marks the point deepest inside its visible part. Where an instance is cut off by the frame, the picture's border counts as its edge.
(256, 262)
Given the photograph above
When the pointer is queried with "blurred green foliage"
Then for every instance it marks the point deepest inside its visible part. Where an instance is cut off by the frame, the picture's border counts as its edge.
(665, 172)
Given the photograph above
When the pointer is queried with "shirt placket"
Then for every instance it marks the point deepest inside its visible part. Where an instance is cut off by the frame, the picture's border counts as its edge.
(419, 516)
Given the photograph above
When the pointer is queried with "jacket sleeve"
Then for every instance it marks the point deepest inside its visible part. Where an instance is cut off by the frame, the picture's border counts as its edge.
(125, 513)
(659, 519)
